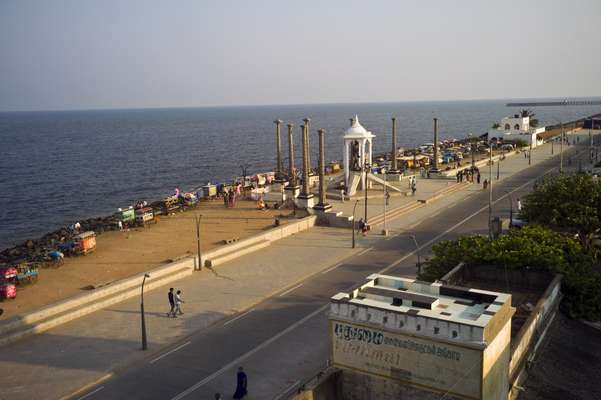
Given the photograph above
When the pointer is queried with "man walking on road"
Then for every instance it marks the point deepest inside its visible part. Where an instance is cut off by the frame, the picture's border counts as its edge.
(241, 384)
(519, 205)
(178, 303)
(171, 303)
(413, 187)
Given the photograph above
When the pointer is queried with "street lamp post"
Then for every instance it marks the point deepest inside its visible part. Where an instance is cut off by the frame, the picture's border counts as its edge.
(510, 209)
(197, 221)
(354, 226)
(244, 168)
(530, 153)
(490, 191)
(384, 230)
(498, 167)
(144, 340)
(417, 252)
(366, 167)
(561, 150)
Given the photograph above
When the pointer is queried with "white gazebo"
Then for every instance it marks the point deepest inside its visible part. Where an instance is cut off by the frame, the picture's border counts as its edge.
(356, 139)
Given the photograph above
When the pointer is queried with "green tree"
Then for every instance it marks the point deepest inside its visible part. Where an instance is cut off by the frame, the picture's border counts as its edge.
(567, 203)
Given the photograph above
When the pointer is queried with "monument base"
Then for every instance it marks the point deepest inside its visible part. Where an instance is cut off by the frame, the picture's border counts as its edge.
(278, 185)
(292, 191)
(305, 201)
(322, 207)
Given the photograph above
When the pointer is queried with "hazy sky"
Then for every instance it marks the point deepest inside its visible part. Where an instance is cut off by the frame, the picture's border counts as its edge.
(116, 54)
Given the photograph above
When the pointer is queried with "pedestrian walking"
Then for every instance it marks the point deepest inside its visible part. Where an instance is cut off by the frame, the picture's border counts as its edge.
(171, 303)
(413, 188)
(478, 178)
(342, 195)
(387, 198)
(485, 184)
(519, 205)
(225, 198)
(178, 303)
(218, 396)
(241, 384)
(360, 225)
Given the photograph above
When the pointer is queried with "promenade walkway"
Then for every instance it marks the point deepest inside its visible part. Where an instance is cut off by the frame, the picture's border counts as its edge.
(66, 359)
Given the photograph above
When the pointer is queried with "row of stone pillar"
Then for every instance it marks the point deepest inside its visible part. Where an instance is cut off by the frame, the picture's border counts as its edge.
(305, 193)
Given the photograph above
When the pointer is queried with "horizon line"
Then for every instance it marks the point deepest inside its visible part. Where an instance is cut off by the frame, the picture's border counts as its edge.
(569, 98)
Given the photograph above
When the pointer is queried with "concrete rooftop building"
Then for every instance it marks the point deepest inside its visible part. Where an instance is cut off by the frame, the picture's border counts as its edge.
(430, 337)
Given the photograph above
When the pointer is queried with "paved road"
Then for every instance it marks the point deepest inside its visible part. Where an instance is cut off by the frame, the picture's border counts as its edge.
(283, 339)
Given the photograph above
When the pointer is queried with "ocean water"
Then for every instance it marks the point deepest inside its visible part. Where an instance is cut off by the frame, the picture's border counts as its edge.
(58, 167)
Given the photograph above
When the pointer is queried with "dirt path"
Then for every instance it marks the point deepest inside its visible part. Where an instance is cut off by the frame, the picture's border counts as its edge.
(122, 254)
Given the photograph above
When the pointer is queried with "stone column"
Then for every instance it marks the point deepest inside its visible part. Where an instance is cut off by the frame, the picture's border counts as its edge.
(305, 198)
(394, 167)
(435, 165)
(322, 205)
(278, 149)
(307, 122)
(292, 178)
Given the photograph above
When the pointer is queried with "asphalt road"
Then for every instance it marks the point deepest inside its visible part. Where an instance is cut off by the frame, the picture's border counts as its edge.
(283, 340)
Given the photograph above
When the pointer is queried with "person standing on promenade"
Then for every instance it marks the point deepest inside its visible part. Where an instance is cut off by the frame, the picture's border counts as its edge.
(225, 198)
(178, 303)
(485, 184)
(519, 205)
(171, 303)
(241, 384)
(413, 187)
(478, 177)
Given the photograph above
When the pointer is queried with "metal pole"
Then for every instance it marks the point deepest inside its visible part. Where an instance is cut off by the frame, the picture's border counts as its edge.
(144, 339)
(498, 167)
(510, 209)
(417, 252)
(490, 192)
(552, 141)
(384, 230)
(561, 151)
(354, 209)
(365, 188)
(530, 153)
(197, 220)
(436, 144)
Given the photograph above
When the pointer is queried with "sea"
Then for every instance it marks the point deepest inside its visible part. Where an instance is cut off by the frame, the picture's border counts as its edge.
(62, 166)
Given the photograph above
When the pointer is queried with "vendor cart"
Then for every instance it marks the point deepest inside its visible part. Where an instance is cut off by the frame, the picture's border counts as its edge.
(126, 216)
(8, 288)
(27, 273)
(144, 216)
(84, 243)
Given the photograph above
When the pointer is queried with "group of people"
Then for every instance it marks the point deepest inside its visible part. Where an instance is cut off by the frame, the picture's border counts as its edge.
(468, 174)
(230, 196)
(362, 227)
(175, 301)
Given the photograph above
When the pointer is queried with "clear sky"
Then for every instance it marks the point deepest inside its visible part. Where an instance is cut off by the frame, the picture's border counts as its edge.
(128, 54)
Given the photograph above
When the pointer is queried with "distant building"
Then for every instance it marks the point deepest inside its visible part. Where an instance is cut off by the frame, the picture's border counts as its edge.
(518, 127)
(427, 336)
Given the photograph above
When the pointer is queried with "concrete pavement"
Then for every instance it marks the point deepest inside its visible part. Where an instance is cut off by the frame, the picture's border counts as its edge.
(71, 356)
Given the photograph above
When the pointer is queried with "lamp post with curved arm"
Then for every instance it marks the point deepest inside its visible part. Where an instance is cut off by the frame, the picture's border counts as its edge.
(144, 340)
(417, 252)
(354, 226)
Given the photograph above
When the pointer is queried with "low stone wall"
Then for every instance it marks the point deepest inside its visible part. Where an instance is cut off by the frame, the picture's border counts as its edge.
(270, 235)
(526, 342)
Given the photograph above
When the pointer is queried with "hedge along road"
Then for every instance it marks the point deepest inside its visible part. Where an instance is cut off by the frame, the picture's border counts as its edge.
(283, 340)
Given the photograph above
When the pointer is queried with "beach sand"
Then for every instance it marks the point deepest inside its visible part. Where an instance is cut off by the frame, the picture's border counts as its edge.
(122, 254)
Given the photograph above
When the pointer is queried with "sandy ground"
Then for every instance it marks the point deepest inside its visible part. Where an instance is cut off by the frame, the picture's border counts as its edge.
(122, 254)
